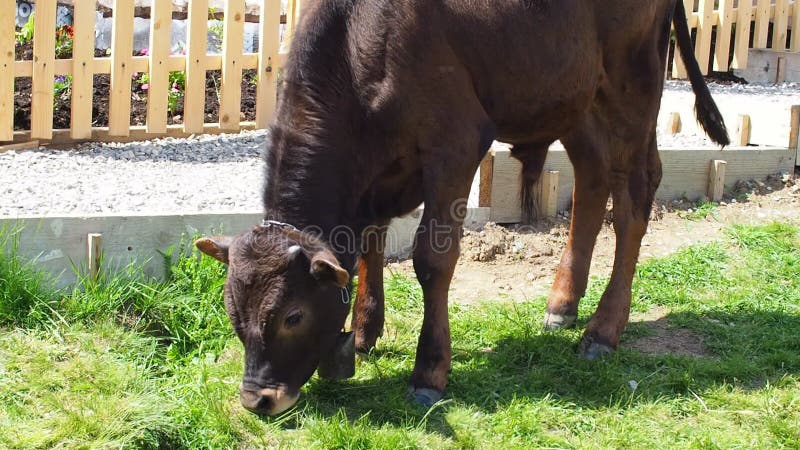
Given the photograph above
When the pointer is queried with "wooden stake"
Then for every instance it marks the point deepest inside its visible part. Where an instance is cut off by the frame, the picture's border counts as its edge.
(266, 93)
(119, 99)
(723, 46)
(743, 130)
(485, 184)
(794, 128)
(674, 124)
(762, 23)
(780, 70)
(741, 48)
(702, 48)
(716, 180)
(94, 250)
(231, 92)
(548, 194)
(157, 94)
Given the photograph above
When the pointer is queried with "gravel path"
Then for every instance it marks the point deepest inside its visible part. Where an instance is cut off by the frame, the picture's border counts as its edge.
(225, 173)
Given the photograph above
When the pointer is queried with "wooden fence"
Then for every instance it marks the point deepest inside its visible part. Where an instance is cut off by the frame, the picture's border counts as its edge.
(733, 27)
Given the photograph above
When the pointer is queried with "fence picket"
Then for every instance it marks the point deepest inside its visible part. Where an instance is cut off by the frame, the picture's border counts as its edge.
(82, 70)
(741, 46)
(266, 94)
(194, 98)
(7, 19)
(724, 28)
(795, 47)
(678, 67)
(232, 47)
(119, 102)
(702, 46)
(780, 24)
(762, 23)
(44, 42)
(158, 91)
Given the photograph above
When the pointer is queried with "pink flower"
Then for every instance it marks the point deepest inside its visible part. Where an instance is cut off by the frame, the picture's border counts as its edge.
(144, 52)
(135, 75)
(145, 86)
(175, 89)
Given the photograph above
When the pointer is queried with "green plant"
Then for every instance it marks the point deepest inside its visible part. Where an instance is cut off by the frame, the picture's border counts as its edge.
(25, 34)
(701, 212)
(62, 86)
(64, 41)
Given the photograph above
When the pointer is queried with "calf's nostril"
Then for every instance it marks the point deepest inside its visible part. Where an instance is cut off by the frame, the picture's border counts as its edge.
(255, 402)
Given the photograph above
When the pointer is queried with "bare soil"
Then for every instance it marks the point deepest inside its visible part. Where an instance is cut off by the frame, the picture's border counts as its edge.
(513, 263)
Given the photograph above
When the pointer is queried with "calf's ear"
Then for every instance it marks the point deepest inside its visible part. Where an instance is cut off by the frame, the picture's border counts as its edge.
(325, 267)
(215, 247)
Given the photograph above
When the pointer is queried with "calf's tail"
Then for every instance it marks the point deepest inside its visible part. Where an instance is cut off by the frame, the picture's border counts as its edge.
(706, 110)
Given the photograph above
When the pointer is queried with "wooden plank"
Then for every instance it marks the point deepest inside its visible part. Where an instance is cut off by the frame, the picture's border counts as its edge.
(716, 180)
(762, 24)
(780, 70)
(136, 133)
(292, 17)
(82, 70)
(741, 46)
(795, 45)
(685, 174)
(7, 69)
(743, 130)
(724, 31)
(119, 102)
(678, 67)
(269, 38)
(547, 193)
(702, 48)
(485, 182)
(232, 45)
(53, 243)
(194, 100)
(674, 123)
(94, 254)
(29, 145)
(44, 42)
(158, 92)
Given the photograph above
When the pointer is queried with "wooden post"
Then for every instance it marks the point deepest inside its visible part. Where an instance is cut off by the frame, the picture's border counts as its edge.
(743, 130)
(741, 47)
(267, 89)
(119, 99)
(674, 123)
(794, 130)
(780, 25)
(194, 99)
(780, 70)
(716, 180)
(292, 16)
(548, 194)
(724, 30)
(762, 23)
(485, 183)
(94, 251)
(232, 46)
(702, 48)
(82, 70)
(158, 92)
(44, 58)
(7, 19)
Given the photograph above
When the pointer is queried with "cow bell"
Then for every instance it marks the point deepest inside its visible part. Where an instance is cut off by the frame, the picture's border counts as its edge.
(341, 362)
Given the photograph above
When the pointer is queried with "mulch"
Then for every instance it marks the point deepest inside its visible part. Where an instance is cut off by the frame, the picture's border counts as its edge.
(102, 87)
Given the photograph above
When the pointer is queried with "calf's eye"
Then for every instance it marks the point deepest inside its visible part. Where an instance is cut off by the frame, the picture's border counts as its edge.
(293, 319)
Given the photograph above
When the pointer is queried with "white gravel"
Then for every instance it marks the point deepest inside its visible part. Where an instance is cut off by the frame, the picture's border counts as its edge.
(225, 173)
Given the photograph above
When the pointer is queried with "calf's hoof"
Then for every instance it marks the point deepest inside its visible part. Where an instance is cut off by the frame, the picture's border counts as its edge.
(426, 397)
(558, 321)
(593, 350)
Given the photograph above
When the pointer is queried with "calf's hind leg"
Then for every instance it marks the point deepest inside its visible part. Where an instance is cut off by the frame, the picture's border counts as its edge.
(589, 198)
(633, 191)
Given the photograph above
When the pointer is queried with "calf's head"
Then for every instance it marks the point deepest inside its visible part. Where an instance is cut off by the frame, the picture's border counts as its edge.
(286, 298)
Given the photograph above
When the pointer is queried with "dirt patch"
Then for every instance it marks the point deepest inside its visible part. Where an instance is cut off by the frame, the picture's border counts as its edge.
(518, 264)
(664, 339)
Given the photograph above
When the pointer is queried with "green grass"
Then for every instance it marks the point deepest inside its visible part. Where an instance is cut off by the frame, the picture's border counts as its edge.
(127, 362)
